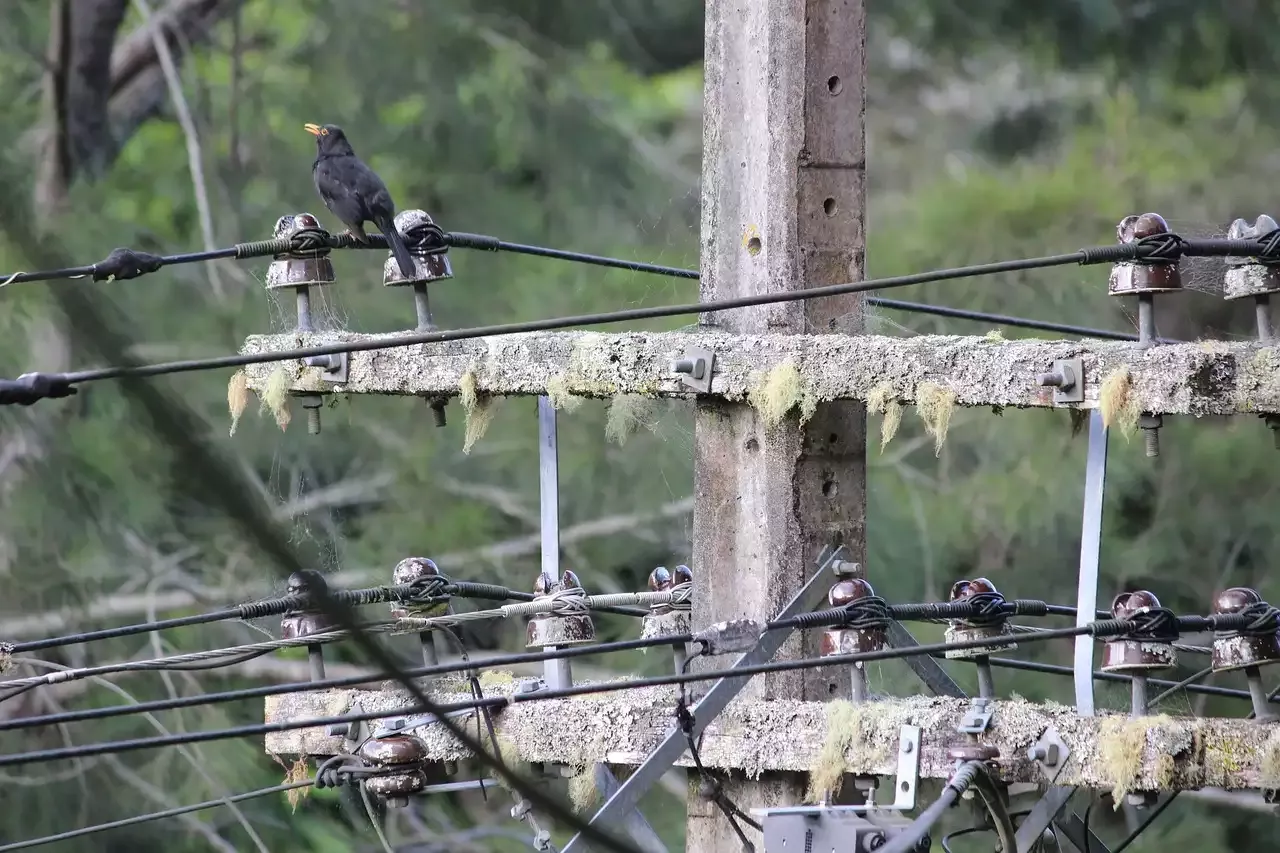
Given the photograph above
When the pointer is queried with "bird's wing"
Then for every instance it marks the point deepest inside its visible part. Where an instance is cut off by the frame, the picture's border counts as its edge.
(339, 196)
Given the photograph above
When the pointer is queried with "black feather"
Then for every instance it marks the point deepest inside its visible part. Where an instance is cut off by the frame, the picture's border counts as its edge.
(355, 194)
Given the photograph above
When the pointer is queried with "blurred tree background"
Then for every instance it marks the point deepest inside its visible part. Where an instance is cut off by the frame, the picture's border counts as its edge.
(995, 130)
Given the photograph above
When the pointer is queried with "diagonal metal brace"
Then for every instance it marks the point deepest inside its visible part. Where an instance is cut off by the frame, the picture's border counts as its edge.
(706, 710)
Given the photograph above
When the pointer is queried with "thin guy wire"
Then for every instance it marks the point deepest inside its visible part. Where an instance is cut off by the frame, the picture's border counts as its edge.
(247, 651)
(147, 818)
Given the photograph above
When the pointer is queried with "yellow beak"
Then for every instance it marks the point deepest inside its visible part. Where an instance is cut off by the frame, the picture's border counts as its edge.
(313, 129)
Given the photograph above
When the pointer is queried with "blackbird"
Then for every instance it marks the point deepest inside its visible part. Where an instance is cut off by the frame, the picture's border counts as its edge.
(353, 192)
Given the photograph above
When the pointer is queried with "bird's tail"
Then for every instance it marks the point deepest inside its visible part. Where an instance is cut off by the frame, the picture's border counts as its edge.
(388, 228)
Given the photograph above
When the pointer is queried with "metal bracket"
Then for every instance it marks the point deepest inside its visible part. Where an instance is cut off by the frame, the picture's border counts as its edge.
(695, 368)
(977, 719)
(904, 787)
(334, 366)
(396, 725)
(674, 743)
(1066, 377)
(1050, 752)
(840, 829)
(352, 734)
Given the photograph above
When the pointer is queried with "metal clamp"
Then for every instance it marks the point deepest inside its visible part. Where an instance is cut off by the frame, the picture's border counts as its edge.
(1050, 752)
(334, 366)
(840, 829)
(904, 787)
(1067, 380)
(695, 368)
(977, 719)
(353, 734)
(396, 725)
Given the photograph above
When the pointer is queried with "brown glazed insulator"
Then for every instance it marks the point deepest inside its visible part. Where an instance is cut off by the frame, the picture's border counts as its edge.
(1129, 277)
(393, 750)
(411, 570)
(1233, 650)
(846, 641)
(1136, 656)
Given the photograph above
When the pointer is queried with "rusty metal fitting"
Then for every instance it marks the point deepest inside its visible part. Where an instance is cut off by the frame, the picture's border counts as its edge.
(570, 623)
(306, 619)
(851, 640)
(399, 752)
(421, 235)
(1239, 650)
(300, 271)
(971, 629)
(412, 570)
(1138, 656)
(664, 620)
(1132, 277)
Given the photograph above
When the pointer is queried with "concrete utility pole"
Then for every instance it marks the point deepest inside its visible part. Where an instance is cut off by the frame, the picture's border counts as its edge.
(783, 197)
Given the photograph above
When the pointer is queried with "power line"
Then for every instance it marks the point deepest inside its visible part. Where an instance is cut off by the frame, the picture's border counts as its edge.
(865, 611)
(1100, 628)
(210, 480)
(31, 387)
(285, 604)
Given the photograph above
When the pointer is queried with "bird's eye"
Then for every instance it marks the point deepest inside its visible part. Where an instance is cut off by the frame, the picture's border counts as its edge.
(324, 132)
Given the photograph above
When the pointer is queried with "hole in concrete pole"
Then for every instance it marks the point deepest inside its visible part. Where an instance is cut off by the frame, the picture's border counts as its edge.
(753, 246)
(829, 207)
(752, 445)
(829, 488)
(834, 85)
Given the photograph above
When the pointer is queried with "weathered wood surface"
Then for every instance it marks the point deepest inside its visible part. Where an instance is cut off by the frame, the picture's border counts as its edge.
(1157, 753)
(1207, 378)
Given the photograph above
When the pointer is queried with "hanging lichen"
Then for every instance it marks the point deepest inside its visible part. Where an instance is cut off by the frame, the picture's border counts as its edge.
(1117, 402)
(882, 400)
(583, 793)
(275, 394)
(237, 397)
(559, 395)
(479, 410)
(627, 413)
(777, 392)
(934, 404)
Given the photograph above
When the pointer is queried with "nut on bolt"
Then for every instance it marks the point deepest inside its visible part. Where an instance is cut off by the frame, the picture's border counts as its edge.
(312, 403)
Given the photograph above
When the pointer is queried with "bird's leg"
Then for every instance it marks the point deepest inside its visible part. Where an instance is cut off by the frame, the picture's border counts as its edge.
(356, 232)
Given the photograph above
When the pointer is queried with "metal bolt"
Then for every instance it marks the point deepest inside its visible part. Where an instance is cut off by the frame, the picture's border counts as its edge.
(437, 411)
(326, 362)
(312, 403)
(1044, 753)
(875, 841)
(1140, 799)
(1150, 426)
(695, 367)
(846, 569)
(1064, 379)
(398, 802)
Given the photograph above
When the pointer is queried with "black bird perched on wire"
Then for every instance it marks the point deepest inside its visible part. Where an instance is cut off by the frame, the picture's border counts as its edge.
(353, 192)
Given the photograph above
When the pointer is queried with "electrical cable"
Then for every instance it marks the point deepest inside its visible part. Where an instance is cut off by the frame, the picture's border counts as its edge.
(147, 818)
(284, 604)
(818, 618)
(441, 711)
(959, 782)
(1058, 669)
(35, 386)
